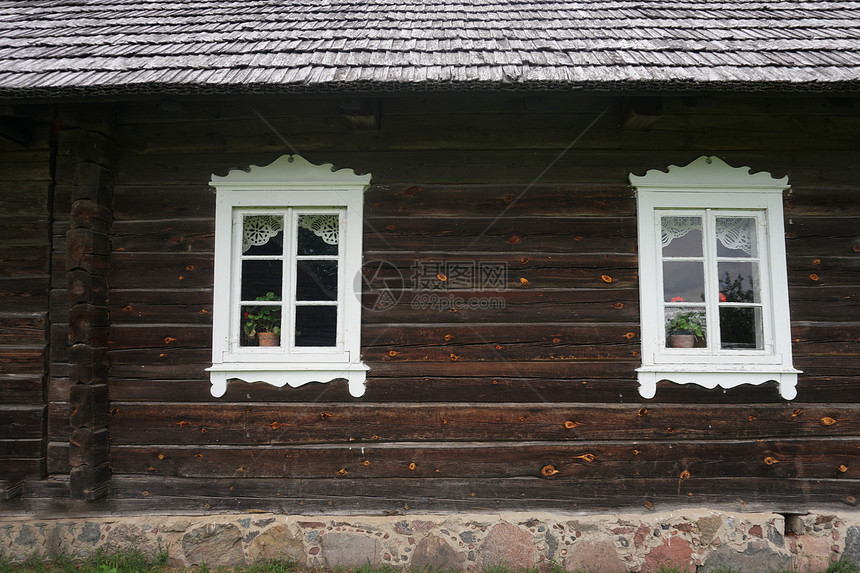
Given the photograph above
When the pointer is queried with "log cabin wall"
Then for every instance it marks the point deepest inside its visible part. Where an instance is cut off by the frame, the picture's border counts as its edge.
(26, 193)
(530, 404)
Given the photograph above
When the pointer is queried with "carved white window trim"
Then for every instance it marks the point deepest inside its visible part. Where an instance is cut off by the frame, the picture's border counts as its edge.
(288, 184)
(709, 184)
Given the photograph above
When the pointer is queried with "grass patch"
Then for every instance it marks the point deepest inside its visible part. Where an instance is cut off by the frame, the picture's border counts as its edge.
(134, 561)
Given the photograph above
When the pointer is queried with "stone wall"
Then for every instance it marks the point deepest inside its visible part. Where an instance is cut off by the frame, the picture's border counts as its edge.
(692, 539)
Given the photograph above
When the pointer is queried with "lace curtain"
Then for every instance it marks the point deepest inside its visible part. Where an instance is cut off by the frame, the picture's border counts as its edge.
(733, 232)
(258, 229)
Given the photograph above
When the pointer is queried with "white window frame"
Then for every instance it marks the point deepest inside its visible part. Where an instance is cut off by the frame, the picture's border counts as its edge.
(709, 187)
(289, 186)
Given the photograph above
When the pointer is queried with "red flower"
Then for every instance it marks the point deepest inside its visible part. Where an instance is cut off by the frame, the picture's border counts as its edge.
(244, 315)
(677, 299)
(722, 297)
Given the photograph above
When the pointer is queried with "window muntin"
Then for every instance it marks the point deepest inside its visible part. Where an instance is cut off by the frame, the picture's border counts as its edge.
(297, 252)
(710, 272)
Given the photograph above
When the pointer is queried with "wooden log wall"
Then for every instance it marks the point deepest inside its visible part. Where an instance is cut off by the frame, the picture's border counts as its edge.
(527, 402)
(86, 140)
(26, 193)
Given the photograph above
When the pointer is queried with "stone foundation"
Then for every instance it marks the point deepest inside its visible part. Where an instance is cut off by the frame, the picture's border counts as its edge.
(691, 539)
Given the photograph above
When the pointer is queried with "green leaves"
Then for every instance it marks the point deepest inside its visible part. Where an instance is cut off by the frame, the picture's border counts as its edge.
(263, 318)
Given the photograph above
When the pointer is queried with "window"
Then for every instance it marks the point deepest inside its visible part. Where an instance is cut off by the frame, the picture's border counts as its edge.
(713, 288)
(287, 263)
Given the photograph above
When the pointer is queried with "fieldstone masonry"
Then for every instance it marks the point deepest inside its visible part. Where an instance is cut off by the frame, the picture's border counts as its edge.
(695, 540)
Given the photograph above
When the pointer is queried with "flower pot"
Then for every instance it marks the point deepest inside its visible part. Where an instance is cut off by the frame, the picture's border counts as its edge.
(682, 340)
(268, 339)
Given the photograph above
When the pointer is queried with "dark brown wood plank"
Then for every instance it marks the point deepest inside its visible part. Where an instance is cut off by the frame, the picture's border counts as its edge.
(168, 236)
(167, 201)
(332, 422)
(22, 359)
(24, 260)
(161, 270)
(813, 459)
(161, 306)
(511, 200)
(521, 235)
(21, 422)
(453, 272)
(487, 389)
(22, 328)
(522, 305)
(21, 388)
(513, 342)
(824, 303)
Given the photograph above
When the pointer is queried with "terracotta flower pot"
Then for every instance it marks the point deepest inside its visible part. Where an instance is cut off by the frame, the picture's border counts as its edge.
(682, 340)
(268, 339)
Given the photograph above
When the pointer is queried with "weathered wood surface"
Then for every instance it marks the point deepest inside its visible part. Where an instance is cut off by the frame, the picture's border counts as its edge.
(146, 495)
(833, 459)
(328, 422)
(25, 249)
(457, 180)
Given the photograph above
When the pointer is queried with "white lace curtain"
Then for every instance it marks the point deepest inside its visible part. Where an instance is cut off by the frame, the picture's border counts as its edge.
(733, 232)
(258, 229)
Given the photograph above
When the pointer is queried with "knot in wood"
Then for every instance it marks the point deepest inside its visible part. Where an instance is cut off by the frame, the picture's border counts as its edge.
(442, 277)
(571, 424)
(514, 240)
(341, 472)
(771, 460)
(606, 278)
(684, 474)
(797, 412)
(548, 471)
(412, 466)
(827, 421)
(843, 468)
(587, 457)
(618, 305)
(524, 281)
(643, 412)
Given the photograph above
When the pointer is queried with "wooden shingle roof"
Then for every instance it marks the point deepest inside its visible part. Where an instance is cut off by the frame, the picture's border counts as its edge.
(104, 47)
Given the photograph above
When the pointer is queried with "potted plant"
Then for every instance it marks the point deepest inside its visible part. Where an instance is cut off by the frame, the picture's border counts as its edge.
(684, 327)
(264, 322)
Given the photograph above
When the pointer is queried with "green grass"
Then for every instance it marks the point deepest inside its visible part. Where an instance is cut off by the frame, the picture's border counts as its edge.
(133, 561)
(102, 561)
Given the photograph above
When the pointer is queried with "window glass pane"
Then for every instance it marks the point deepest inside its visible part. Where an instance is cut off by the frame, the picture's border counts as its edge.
(316, 326)
(261, 277)
(681, 236)
(736, 237)
(256, 322)
(739, 282)
(686, 327)
(740, 328)
(316, 280)
(262, 235)
(683, 281)
(318, 234)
